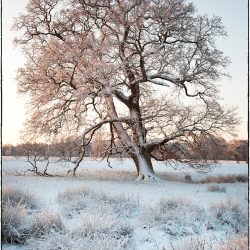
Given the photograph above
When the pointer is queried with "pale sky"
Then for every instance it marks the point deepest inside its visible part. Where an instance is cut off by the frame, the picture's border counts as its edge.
(233, 91)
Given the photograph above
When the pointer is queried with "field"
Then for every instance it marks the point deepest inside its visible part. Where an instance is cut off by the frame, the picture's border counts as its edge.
(104, 208)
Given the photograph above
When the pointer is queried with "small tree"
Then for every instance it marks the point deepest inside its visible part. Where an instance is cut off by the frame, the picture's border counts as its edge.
(37, 153)
(131, 65)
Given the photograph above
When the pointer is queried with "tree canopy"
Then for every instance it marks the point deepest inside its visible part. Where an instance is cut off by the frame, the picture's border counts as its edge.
(146, 70)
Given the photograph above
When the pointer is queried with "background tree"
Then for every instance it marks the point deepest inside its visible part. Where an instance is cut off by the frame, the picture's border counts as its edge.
(147, 69)
(238, 150)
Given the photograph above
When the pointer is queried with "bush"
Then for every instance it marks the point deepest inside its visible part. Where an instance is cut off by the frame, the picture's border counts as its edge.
(177, 217)
(14, 196)
(188, 178)
(229, 213)
(216, 188)
(44, 223)
(14, 222)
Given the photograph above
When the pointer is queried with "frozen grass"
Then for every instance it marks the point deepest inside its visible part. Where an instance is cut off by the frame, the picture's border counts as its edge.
(236, 243)
(70, 240)
(121, 205)
(75, 201)
(14, 196)
(20, 217)
(177, 217)
(125, 215)
(45, 223)
(71, 194)
(229, 214)
(17, 208)
(93, 224)
(91, 231)
(15, 222)
(216, 188)
(232, 178)
(192, 243)
(225, 179)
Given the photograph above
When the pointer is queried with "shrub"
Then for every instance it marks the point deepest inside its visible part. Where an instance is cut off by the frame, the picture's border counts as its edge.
(14, 222)
(16, 196)
(216, 188)
(188, 178)
(242, 178)
(229, 213)
(46, 222)
(177, 217)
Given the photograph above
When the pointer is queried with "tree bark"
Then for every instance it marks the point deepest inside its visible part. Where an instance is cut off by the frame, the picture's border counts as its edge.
(144, 167)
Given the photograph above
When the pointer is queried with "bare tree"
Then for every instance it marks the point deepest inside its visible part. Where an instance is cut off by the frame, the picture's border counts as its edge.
(37, 153)
(132, 66)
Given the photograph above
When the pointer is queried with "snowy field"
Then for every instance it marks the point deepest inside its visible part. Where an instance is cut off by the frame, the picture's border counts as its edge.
(104, 208)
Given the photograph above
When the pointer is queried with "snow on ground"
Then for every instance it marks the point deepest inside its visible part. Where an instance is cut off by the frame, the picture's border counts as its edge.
(97, 176)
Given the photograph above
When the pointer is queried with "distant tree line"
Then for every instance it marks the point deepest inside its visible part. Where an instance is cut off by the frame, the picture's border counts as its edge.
(67, 149)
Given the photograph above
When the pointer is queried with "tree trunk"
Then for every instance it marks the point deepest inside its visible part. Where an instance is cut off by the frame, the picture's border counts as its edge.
(144, 167)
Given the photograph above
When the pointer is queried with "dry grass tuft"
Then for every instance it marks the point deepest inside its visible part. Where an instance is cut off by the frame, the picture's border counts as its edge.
(44, 223)
(16, 196)
(14, 222)
(236, 243)
(225, 179)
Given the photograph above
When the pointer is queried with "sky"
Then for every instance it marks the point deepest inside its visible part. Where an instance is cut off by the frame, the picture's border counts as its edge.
(233, 90)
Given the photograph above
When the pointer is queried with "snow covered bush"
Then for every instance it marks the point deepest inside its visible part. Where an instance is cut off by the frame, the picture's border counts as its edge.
(216, 188)
(16, 196)
(177, 217)
(44, 223)
(230, 214)
(14, 222)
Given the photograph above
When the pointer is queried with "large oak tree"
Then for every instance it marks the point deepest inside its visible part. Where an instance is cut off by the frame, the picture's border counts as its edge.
(145, 70)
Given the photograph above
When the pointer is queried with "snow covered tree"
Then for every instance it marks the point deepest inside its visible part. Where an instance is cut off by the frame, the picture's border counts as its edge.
(145, 70)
